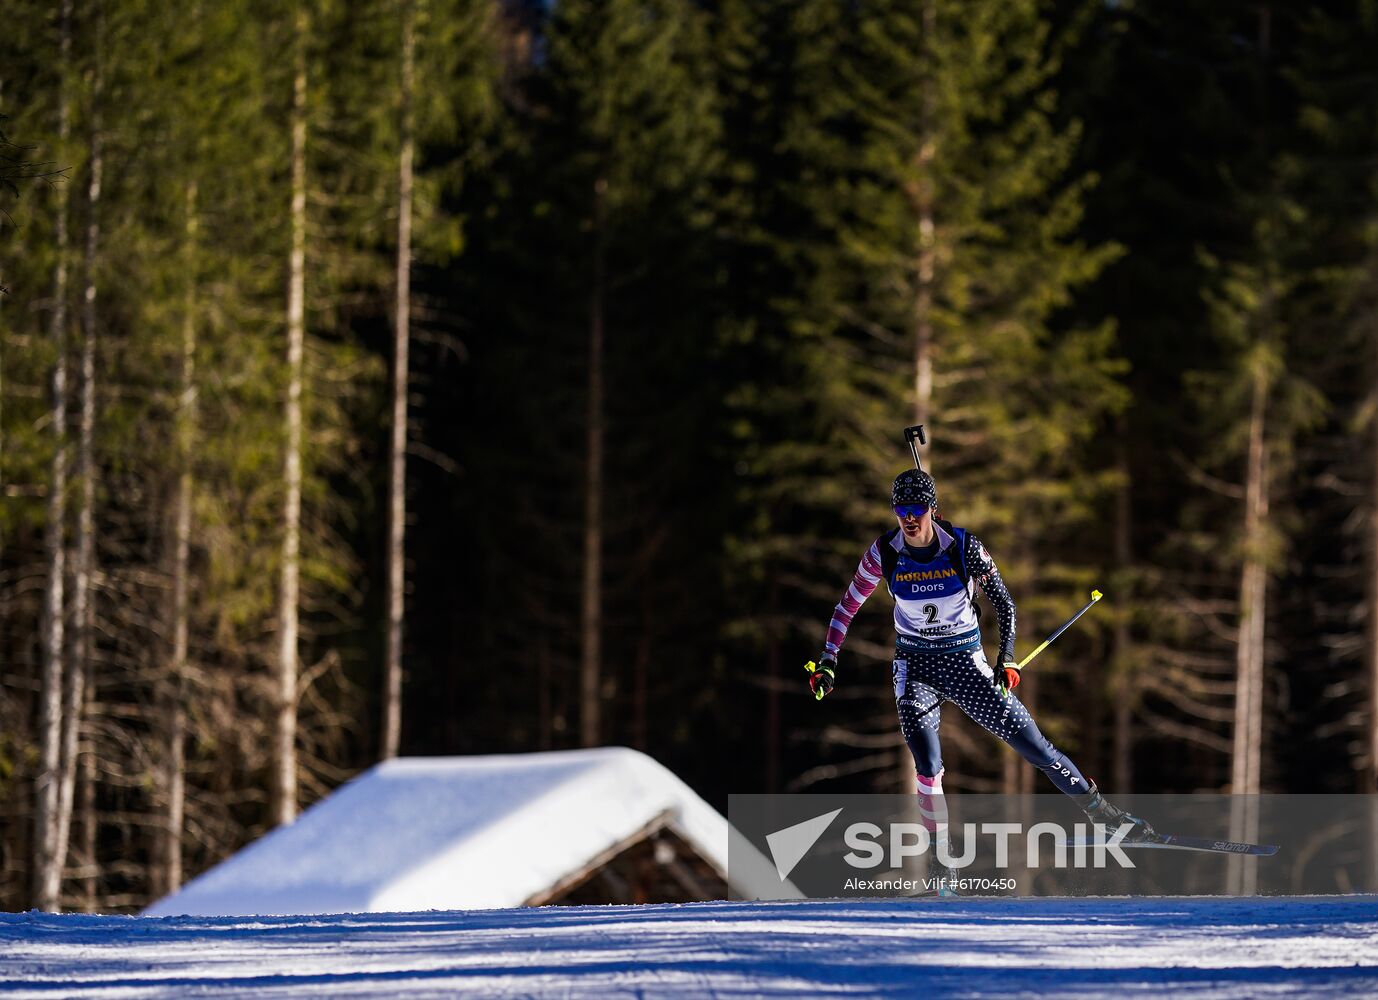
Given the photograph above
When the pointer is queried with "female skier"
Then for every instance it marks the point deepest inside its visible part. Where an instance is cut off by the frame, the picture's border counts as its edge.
(930, 567)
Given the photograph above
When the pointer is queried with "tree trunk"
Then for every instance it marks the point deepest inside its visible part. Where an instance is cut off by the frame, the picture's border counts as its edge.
(1247, 755)
(923, 294)
(1368, 774)
(641, 667)
(86, 774)
(47, 865)
(590, 667)
(397, 506)
(284, 803)
(773, 681)
(922, 202)
(543, 698)
(80, 666)
(80, 649)
(174, 758)
(1247, 752)
(1122, 683)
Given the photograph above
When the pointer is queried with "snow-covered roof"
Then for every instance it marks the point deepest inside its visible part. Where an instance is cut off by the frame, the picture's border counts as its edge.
(463, 833)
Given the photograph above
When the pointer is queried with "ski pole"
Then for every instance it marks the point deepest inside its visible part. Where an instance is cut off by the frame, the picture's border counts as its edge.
(1096, 595)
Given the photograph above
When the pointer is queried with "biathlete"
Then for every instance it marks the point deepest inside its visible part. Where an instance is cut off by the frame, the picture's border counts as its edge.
(931, 568)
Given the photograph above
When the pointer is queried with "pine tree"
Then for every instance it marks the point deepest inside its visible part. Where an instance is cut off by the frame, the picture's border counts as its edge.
(50, 850)
(1332, 605)
(397, 474)
(941, 240)
(630, 152)
(1338, 191)
(1169, 96)
(782, 100)
(446, 72)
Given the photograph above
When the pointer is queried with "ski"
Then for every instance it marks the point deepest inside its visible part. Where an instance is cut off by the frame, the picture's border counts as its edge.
(1181, 843)
(933, 892)
(1178, 842)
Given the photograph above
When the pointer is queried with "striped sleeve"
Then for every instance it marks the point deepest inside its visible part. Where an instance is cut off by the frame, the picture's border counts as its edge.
(868, 574)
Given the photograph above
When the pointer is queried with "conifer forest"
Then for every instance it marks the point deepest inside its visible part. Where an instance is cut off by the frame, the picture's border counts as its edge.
(428, 377)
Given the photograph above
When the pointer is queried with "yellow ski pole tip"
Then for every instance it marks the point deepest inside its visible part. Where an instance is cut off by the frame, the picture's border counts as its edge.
(1096, 595)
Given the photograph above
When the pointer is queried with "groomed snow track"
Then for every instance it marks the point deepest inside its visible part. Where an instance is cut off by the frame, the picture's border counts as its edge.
(1199, 947)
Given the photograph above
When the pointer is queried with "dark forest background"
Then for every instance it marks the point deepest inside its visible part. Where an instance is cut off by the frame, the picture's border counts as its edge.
(673, 277)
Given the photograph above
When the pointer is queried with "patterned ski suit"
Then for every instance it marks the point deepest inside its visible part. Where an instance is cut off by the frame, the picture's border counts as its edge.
(938, 655)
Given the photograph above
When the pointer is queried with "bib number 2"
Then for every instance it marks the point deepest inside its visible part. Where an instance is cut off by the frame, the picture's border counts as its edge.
(931, 610)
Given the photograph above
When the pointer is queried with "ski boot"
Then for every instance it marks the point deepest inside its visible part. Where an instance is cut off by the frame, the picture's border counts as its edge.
(1099, 810)
(947, 888)
(941, 881)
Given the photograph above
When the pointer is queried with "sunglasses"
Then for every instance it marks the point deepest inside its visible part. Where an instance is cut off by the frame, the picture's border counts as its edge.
(911, 510)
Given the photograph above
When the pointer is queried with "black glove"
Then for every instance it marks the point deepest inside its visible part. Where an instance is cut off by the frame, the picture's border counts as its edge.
(822, 676)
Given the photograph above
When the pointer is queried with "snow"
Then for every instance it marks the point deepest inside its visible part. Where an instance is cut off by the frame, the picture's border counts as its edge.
(459, 832)
(1200, 947)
